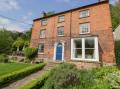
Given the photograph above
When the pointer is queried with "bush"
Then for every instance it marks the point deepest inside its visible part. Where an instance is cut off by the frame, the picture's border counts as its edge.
(104, 71)
(62, 77)
(30, 53)
(19, 74)
(117, 52)
(39, 82)
(114, 80)
(4, 58)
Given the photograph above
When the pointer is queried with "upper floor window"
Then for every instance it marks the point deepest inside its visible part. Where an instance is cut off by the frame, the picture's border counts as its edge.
(60, 31)
(44, 22)
(42, 33)
(84, 28)
(84, 13)
(41, 48)
(61, 18)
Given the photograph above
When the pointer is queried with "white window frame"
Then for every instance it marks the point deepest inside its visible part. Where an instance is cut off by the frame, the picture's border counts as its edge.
(60, 29)
(61, 17)
(44, 22)
(83, 25)
(41, 34)
(87, 12)
(83, 50)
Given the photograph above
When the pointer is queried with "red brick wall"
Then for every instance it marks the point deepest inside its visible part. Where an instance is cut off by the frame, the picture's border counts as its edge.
(100, 22)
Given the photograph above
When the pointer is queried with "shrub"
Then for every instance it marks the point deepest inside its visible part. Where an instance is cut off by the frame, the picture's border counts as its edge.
(30, 53)
(117, 52)
(38, 83)
(114, 80)
(104, 71)
(86, 79)
(62, 77)
(101, 84)
(19, 74)
(4, 58)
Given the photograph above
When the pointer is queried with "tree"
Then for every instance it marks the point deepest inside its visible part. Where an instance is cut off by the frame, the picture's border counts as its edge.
(115, 13)
(30, 53)
(5, 41)
(19, 43)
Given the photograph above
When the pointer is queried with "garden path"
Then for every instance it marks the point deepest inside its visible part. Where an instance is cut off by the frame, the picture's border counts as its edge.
(19, 83)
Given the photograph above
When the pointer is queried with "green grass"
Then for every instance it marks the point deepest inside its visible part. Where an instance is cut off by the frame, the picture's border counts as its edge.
(11, 67)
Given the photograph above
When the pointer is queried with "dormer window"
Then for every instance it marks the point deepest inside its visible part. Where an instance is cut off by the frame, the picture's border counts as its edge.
(44, 22)
(61, 18)
(84, 13)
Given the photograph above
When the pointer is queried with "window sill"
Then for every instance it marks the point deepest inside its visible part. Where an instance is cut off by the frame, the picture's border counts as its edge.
(84, 33)
(86, 60)
(83, 17)
(41, 53)
(42, 37)
(61, 21)
(60, 35)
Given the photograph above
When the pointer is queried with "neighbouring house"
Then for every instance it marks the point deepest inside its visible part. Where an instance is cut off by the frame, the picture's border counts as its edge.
(81, 35)
(117, 33)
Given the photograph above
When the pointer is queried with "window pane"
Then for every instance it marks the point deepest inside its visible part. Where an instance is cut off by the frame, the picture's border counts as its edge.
(41, 48)
(84, 13)
(44, 22)
(61, 18)
(84, 28)
(60, 31)
(42, 33)
(89, 43)
(78, 53)
(89, 53)
(78, 43)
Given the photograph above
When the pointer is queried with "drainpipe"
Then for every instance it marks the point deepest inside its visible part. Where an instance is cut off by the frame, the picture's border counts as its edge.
(70, 31)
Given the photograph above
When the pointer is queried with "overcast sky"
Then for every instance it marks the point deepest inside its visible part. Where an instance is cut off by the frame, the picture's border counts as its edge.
(24, 11)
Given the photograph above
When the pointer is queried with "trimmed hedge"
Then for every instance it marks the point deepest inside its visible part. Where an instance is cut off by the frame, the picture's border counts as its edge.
(39, 82)
(19, 74)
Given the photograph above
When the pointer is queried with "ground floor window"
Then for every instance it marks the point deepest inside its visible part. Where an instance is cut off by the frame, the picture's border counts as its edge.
(85, 49)
(41, 48)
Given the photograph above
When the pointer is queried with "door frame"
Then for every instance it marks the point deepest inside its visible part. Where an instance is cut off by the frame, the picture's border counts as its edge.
(55, 47)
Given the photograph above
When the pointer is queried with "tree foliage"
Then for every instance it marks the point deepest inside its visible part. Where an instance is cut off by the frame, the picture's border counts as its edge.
(19, 43)
(30, 53)
(115, 13)
(6, 41)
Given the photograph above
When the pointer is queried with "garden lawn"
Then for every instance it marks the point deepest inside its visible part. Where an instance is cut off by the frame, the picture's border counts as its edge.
(11, 67)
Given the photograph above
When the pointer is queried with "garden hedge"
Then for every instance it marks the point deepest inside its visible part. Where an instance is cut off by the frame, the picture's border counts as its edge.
(20, 74)
(38, 83)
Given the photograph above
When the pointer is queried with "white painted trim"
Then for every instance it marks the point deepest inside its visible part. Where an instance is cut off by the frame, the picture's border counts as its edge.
(55, 46)
(83, 50)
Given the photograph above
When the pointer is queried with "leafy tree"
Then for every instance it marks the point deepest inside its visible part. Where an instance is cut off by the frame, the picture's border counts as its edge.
(30, 53)
(27, 35)
(19, 43)
(115, 13)
(5, 41)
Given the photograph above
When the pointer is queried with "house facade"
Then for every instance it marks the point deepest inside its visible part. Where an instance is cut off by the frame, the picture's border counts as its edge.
(82, 35)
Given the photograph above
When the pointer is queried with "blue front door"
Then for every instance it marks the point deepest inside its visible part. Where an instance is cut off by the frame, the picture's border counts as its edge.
(59, 52)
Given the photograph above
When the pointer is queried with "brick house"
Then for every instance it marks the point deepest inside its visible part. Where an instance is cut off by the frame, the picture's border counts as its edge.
(81, 35)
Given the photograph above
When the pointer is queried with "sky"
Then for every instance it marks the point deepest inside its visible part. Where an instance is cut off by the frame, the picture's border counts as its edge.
(17, 15)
